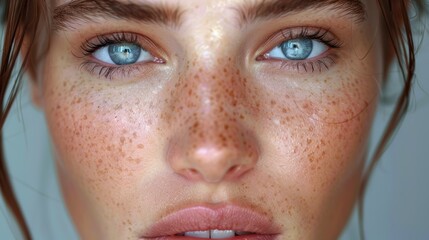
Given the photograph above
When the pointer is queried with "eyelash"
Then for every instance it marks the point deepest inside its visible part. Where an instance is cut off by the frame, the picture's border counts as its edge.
(319, 34)
(319, 64)
(95, 67)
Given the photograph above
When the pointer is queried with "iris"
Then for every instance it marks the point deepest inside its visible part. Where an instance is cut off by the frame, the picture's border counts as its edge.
(124, 53)
(297, 49)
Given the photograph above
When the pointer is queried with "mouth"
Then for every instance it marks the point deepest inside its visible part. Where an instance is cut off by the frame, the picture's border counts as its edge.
(215, 233)
(222, 222)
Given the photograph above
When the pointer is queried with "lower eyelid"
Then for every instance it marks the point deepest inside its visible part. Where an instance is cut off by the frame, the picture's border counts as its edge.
(100, 69)
(319, 64)
(109, 72)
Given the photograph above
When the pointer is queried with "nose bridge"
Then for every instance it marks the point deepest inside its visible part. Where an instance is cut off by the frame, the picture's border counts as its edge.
(211, 92)
(218, 95)
(211, 141)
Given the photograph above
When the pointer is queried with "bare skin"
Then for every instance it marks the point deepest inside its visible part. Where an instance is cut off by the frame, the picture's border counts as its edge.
(213, 118)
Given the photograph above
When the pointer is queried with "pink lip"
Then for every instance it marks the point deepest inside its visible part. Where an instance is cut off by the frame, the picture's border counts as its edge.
(202, 218)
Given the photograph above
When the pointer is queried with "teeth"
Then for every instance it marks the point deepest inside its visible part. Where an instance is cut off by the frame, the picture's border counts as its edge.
(216, 234)
(222, 234)
(198, 234)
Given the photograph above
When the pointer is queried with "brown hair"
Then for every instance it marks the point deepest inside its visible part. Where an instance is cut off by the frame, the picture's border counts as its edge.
(21, 19)
(399, 35)
(24, 19)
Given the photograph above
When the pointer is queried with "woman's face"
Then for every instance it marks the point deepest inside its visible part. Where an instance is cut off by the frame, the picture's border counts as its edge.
(170, 117)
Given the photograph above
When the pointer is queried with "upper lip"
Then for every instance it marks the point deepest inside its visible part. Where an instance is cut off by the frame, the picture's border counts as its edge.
(203, 218)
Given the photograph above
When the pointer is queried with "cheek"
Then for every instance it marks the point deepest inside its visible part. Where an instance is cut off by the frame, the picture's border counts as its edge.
(323, 119)
(315, 143)
(101, 137)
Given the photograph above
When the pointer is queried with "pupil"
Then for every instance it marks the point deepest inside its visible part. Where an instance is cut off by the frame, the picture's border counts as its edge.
(297, 49)
(124, 53)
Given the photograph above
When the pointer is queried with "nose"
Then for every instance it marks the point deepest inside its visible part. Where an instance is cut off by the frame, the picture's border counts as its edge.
(211, 158)
(211, 141)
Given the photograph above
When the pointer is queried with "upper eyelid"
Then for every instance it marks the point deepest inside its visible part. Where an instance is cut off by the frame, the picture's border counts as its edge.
(91, 45)
(104, 39)
(272, 41)
(294, 32)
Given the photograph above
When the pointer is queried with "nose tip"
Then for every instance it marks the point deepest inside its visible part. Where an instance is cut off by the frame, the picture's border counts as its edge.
(212, 161)
(214, 164)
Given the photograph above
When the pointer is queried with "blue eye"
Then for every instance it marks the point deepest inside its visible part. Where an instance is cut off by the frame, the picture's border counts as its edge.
(298, 49)
(122, 54)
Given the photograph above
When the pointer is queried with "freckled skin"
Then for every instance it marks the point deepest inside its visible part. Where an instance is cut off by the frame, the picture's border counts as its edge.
(212, 125)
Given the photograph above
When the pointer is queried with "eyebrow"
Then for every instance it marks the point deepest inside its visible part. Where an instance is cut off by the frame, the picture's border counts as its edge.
(269, 9)
(78, 10)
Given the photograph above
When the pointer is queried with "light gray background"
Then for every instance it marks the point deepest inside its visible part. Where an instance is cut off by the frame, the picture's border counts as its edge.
(396, 203)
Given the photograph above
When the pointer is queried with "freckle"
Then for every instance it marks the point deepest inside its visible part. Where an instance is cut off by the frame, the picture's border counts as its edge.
(141, 146)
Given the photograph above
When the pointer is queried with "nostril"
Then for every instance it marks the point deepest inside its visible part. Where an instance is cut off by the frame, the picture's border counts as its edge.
(233, 170)
(237, 171)
(191, 173)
